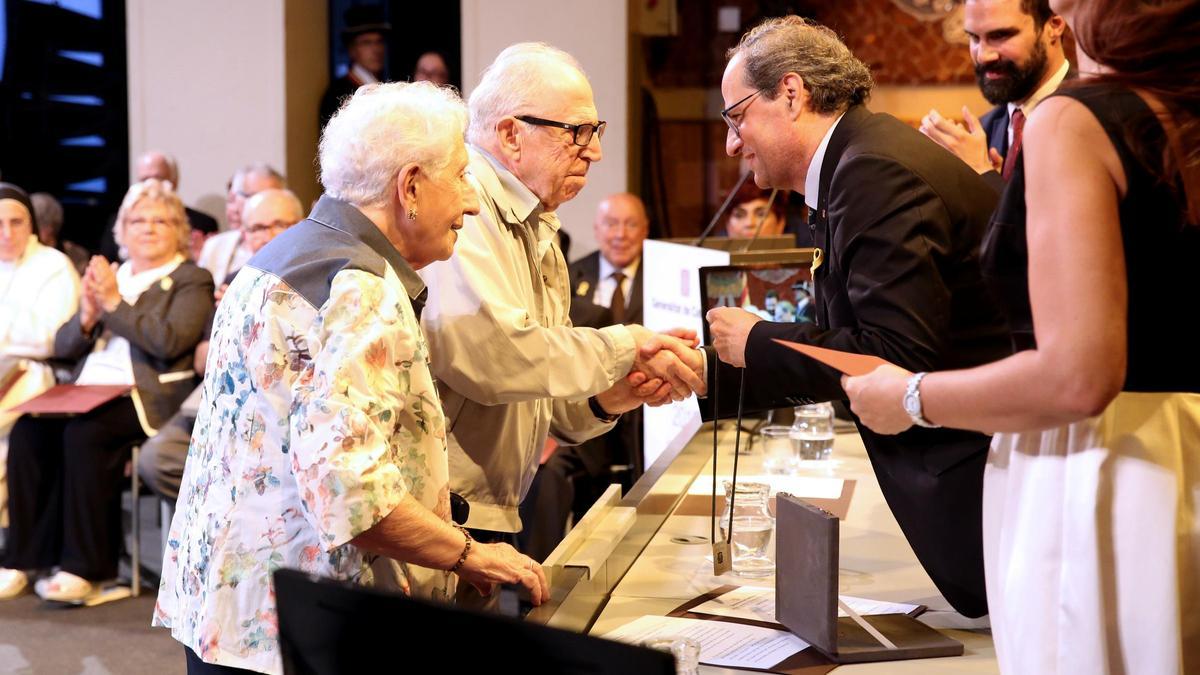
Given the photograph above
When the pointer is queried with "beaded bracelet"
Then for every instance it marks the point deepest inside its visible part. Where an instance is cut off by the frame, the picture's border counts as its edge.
(466, 547)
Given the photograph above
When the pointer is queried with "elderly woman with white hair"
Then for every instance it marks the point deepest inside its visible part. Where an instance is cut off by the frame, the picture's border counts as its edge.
(320, 443)
(137, 325)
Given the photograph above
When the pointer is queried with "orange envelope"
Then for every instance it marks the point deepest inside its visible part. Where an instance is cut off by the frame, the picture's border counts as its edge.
(846, 362)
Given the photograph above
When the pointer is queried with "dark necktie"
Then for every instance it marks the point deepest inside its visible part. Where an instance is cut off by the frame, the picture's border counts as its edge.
(617, 305)
(1014, 149)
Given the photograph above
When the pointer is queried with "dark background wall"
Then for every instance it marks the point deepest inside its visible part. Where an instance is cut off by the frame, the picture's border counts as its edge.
(63, 107)
(417, 27)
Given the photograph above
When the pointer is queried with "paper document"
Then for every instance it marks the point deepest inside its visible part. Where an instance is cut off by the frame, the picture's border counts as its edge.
(847, 362)
(721, 643)
(758, 604)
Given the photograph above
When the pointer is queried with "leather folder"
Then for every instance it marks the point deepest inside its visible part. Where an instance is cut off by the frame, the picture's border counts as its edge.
(806, 587)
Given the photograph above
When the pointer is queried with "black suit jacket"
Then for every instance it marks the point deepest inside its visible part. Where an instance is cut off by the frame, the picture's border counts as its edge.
(337, 92)
(995, 126)
(622, 445)
(900, 220)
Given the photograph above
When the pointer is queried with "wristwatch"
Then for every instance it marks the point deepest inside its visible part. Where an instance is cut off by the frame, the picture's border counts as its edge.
(912, 402)
(599, 411)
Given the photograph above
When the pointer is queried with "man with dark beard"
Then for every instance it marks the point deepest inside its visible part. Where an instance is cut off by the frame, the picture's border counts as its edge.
(1017, 48)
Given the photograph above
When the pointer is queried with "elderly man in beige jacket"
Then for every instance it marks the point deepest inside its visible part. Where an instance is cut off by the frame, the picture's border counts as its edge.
(511, 368)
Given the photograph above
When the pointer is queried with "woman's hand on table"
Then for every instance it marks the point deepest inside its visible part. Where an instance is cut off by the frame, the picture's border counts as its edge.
(491, 564)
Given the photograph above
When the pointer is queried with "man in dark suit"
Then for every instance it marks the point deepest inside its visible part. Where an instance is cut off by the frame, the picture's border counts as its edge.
(1017, 48)
(365, 38)
(900, 221)
(606, 289)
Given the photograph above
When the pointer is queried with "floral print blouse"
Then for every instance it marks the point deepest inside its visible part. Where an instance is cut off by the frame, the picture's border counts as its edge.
(318, 415)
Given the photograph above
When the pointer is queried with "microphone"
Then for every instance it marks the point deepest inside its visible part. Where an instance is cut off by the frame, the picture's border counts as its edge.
(721, 211)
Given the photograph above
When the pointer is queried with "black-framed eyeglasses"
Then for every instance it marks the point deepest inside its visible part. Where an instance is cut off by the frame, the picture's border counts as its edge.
(734, 124)
(581, 134)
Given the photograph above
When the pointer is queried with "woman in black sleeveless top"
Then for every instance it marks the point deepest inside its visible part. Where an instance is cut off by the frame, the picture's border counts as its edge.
(1091, 533)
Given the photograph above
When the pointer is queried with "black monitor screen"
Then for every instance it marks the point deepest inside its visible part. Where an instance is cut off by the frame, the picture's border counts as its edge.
(775, 291)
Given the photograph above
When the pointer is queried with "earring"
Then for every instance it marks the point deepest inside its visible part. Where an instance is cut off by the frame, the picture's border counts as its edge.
(412, 214)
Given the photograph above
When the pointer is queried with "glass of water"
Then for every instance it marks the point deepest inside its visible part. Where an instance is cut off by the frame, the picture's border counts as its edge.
(685, 650)
(812, 431)
(752, 528)
(779, 452)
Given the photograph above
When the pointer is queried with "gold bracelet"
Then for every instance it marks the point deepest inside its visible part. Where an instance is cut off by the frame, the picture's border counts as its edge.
(462, 558)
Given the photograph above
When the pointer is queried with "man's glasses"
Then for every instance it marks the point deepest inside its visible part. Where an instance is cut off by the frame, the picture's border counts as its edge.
(581, 133)
(265, 227)
(735, 122)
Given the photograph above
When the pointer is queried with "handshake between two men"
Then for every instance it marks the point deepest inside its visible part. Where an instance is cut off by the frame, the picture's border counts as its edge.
(669, 367)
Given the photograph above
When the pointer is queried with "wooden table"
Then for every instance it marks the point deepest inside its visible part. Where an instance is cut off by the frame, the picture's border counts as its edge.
(876, 563)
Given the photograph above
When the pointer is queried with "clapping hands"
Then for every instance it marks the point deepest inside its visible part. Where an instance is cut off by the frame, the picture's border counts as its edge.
(100, 294)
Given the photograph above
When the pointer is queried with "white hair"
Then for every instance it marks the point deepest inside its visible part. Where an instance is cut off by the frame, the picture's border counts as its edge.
(382, 128)
(514, 84)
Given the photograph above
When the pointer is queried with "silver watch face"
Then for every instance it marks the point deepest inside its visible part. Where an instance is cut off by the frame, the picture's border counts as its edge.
(912, 405)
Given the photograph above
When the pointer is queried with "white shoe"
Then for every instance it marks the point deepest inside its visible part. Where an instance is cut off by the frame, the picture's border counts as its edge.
(12, 583)
(66, 587)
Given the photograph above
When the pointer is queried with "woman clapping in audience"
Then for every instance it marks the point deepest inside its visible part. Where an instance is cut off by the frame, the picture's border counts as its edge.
(137, 325)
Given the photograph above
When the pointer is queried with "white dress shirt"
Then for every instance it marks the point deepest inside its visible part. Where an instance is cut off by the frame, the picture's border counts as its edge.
(1036, 97)
(812, 180)
(606, 284)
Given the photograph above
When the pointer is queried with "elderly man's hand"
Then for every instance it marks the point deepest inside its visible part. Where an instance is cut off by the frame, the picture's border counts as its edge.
(685, 351)
(969, 143)
(878, 398)
(730, 326)
(632, 391)
(664, 361)
(491, 564)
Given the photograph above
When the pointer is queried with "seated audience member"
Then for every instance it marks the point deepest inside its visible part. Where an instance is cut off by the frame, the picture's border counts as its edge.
(750, 206)
(161, 166)
(431, 67)
(40, 291)
(136, 325)
(160, 462)
(606, 289)
(225, 253)
(320, 443)
(48, 213)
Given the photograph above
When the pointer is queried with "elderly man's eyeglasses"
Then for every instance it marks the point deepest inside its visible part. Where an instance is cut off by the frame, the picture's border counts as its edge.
(735, 123)
(257, 228)
(581, 133)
